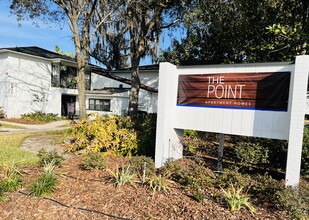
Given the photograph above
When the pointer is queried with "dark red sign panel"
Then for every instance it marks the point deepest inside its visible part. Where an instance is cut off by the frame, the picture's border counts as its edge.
(260, 91)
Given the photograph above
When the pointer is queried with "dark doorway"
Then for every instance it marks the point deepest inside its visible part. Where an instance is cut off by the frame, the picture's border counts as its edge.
(68, 105)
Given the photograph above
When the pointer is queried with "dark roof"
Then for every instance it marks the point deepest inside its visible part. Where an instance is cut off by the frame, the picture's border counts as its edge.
(39, 52)
(146, 67)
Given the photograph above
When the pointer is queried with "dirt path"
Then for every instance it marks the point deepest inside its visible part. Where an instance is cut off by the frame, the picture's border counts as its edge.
(48, 142)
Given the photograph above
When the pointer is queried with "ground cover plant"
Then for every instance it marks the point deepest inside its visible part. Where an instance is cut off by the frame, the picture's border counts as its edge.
(46, 183)
(10, 178)
(40, 117)
(50, 157)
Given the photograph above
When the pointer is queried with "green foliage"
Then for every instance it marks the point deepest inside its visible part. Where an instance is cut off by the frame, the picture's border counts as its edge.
(58, 50)
(10, 178)
(111, 134)
(46, 183)
(94, 160)
(264, 188)
(158, 183)
(2, 195)
(251, 154)
(123, 176)
(305, 152)
(194, 177)
(48, 157)
(198, 195)
(41, 117)
(231, 177)
(137, 165)
(261, 187)
(290, 201)
(238, 31)
(194, 141)
(237, 200)
(146, 131)
(272, 151)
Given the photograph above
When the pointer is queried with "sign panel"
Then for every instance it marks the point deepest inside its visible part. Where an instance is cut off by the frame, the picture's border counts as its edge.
(259, 91)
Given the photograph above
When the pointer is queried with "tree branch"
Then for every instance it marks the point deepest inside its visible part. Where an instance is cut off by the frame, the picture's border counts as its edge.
(170, 24)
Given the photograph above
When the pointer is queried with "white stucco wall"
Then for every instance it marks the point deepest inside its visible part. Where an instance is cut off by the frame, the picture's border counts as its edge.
(118, 104)
(147, 101)
(3, 82)
(55, 97)
(28, 80)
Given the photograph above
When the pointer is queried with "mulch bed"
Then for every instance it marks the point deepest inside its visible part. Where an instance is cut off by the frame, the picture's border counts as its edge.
(84, 194)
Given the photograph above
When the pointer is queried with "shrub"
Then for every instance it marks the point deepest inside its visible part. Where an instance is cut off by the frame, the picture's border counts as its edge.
(46, 183)
(264, 188)
(137, 165)
(261, 187)
(39, 116)
(146, 132)
(49, 156)
(251, 154)
(290, 201)
(197, 140)
(237, 200)
(305, 152)
(193, 176)
(232, 177)
(123, 176)
(275, 151)
(110, 134)
(94, 160)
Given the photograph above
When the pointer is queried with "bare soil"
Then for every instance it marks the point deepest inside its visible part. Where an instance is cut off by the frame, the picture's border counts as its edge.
(85, 194)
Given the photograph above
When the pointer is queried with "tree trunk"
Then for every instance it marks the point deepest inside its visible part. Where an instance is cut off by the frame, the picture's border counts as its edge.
(81, 93)
(135, 86)
(81, 64)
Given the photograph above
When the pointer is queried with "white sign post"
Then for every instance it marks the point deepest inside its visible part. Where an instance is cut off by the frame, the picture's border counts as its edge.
(285, 121)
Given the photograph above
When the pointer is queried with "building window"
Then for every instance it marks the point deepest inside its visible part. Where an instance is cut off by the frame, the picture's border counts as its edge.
(100, 104)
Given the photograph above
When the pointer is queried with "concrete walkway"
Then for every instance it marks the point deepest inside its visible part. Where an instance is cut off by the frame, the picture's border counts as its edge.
(31, 128)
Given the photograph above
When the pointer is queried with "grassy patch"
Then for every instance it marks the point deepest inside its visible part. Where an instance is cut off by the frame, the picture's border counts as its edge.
(10, 149)
(10, 126)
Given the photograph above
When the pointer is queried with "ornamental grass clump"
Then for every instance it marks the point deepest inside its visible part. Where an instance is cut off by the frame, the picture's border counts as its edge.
(10, 177)
(158, 183)
(123, 176)
(237, 200)
(110, 134)
(46, 183)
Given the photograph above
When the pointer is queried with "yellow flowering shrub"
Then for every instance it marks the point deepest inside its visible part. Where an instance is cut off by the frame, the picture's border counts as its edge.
(111, 134)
